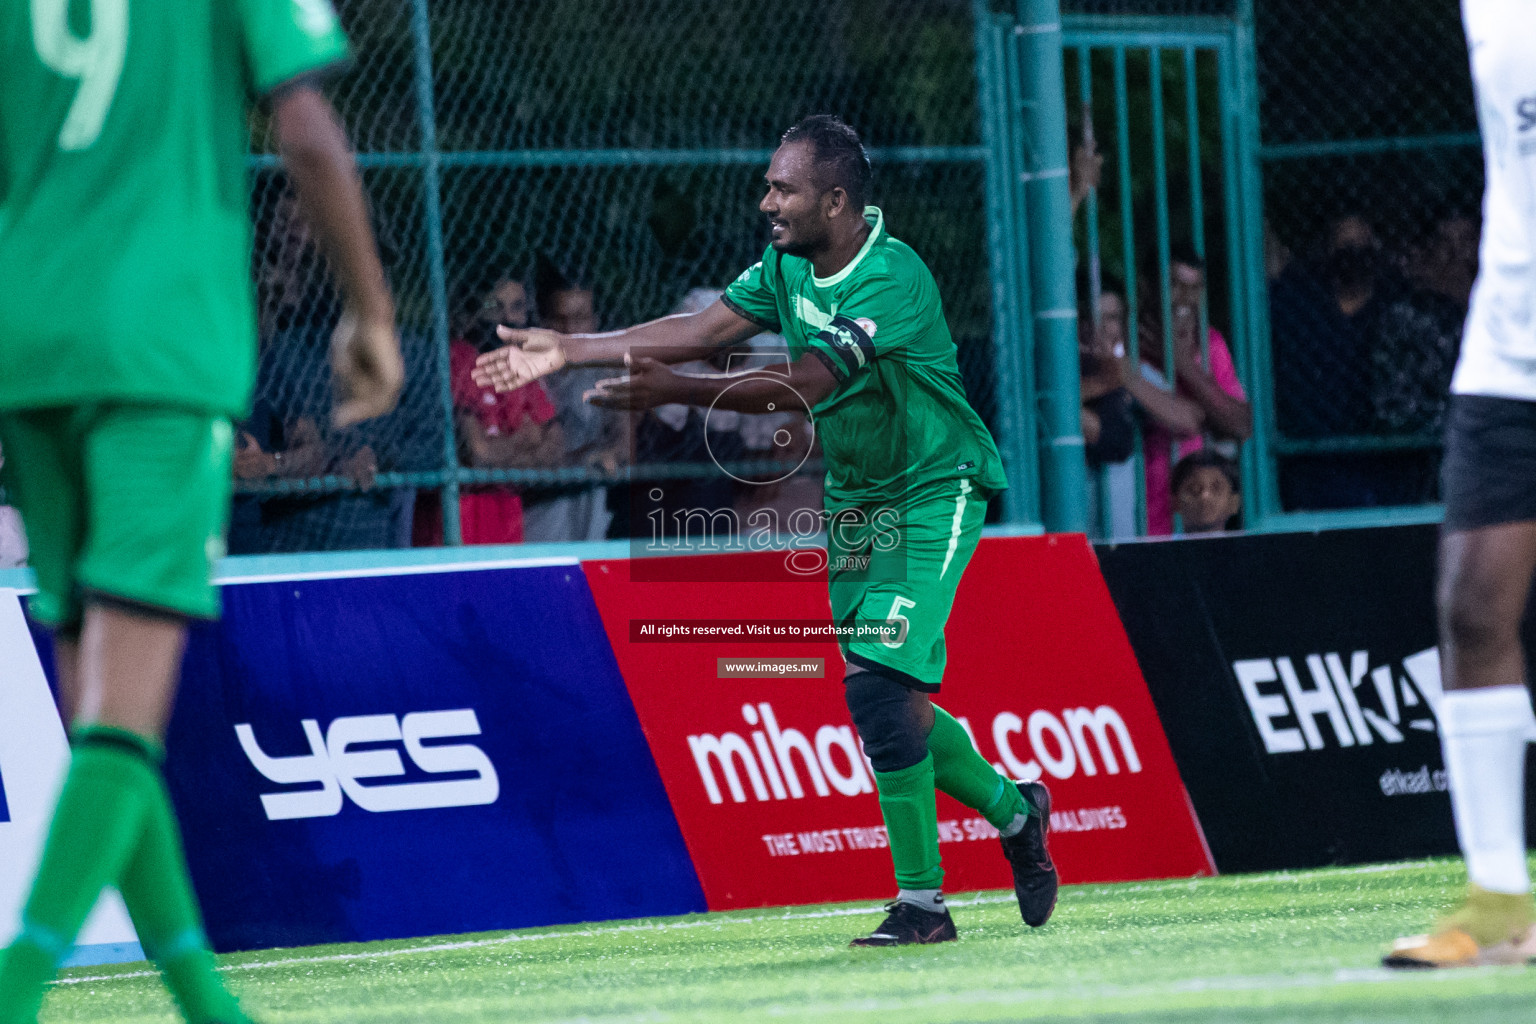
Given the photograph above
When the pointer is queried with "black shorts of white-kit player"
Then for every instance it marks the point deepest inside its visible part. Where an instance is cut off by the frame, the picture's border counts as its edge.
(1488, 476)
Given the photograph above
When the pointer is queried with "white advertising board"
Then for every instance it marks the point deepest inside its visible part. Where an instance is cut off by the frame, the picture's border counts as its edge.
(34, 756)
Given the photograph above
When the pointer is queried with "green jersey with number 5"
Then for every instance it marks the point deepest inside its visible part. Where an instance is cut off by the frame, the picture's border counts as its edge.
(125, 197)
(898, 418)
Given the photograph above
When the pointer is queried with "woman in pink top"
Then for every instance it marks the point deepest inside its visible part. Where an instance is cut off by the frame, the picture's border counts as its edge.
(1214, 388)
(496, 431)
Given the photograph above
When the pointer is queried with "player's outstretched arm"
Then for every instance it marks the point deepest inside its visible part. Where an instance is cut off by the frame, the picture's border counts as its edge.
(365, 350)
(650, 383)
(533, 353)
(672, 339)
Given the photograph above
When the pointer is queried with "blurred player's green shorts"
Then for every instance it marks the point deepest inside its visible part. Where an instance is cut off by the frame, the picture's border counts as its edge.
(125, 503)
(901, 563)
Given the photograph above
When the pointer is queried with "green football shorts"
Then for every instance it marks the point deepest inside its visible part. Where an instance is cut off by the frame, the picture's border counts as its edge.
(125, 502)
(901, 564)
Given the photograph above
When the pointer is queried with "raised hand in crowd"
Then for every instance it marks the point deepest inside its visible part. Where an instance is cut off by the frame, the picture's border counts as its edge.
(1086, 171)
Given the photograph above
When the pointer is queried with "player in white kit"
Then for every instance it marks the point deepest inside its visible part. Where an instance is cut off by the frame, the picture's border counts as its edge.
(1488, 542)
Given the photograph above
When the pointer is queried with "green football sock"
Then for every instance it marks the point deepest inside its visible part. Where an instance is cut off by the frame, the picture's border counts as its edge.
(158, 891)
(961, 771)
(95, 827)
(912, 823)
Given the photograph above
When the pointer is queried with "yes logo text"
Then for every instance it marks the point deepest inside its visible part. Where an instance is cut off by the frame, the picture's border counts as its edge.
(339, 770)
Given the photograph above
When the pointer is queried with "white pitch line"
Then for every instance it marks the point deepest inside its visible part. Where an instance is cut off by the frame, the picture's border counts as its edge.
(1273, 876)
(443, 947)
(722, 921)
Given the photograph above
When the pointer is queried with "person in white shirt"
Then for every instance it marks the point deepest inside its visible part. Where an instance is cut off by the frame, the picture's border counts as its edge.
(1488, 542)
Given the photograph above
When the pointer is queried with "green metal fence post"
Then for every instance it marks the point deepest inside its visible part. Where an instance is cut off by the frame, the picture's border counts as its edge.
(1065, 484)
(1128, 251)
(1164, 235)
(1197, 188)
(1260, 485)
(1024, 303)
(437, 282)
(1104, 480)
(1004, 249)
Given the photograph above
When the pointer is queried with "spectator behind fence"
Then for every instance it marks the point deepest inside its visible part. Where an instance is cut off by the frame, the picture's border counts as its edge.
(1108, 410)
(513, 430)
(1085, 171)
(687, 434)
(1204, 374)
(1207, 492)
(1338, 336)
(1445, 262)
(287, 435)
(1419, 337)
(1115, 387)
(784, 499)
(593, 438)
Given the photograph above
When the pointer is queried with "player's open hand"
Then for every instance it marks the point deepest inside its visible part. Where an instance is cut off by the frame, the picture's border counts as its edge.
(365, 355)
(648, 384)
(531, 354)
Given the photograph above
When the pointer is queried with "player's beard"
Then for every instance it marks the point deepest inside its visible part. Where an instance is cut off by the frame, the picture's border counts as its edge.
(797, 245)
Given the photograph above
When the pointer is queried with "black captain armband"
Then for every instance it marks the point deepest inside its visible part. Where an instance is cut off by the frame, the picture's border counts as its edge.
(849, 347)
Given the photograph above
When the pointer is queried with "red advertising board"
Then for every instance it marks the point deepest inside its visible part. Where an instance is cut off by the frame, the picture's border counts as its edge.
(775, 799)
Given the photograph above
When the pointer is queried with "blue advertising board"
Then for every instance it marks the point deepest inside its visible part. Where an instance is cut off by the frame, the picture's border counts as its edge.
(403, 755)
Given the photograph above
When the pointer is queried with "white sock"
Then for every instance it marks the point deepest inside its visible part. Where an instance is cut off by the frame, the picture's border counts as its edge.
(1483, 733)
(929, 899)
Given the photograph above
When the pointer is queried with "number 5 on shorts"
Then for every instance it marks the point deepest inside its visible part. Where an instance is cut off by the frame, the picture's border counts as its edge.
(96, 60)
(894, 615)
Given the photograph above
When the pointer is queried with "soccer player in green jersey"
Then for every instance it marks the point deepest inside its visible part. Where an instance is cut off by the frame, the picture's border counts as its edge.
(127, 343)
(907, 457)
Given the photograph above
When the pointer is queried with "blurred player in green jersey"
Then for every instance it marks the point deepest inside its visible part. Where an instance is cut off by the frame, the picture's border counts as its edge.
(910, 467)
(127, 344)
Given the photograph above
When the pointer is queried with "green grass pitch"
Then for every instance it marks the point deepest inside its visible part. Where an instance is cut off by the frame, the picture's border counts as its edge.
(1282, 947)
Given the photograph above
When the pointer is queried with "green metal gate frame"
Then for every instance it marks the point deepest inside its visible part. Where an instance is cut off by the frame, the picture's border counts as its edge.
(1188, 38)
(1006, 140)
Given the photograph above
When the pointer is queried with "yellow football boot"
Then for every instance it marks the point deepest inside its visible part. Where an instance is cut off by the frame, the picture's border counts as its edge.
(1488, 928)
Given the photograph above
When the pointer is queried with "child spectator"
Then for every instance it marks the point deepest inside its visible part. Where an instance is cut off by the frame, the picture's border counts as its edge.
(1207, 491)
(1202, 374)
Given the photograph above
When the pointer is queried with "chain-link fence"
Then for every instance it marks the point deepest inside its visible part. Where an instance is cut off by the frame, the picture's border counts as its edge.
(1372, 178)
(590, 163)
(580, 163)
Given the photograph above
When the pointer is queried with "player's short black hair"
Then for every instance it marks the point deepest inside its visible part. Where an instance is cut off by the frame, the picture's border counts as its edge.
(840, 158)
(1202, 459)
